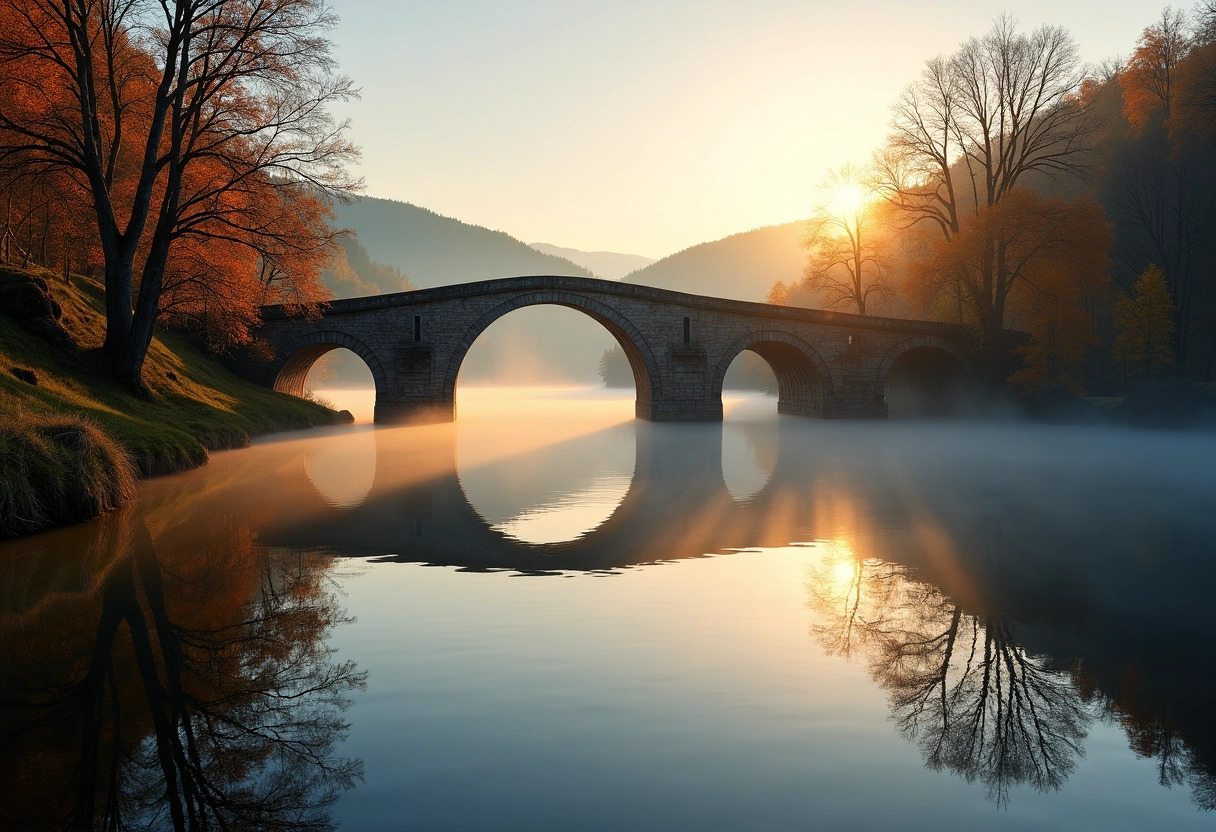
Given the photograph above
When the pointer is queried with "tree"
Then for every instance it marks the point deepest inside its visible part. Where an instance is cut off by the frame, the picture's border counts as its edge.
(614, 368)
(1145, 320)
(1150, 79)
(1162, 179)
(847, 260)
(1052, 258)
(199, 119)
(965, 136)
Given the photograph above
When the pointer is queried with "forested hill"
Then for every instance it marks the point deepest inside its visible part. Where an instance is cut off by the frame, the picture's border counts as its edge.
(742, 266)
(433, 250)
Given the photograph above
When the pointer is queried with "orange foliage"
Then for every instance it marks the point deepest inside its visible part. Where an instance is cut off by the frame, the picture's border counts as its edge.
(214, 200)
(1149, 82)
(1036, 264)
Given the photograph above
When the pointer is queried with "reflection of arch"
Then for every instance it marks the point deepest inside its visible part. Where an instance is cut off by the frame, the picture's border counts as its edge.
(931, 369)
(749, 458)
(557, 493)
(304, 351)
(804, 381)
(641, 360)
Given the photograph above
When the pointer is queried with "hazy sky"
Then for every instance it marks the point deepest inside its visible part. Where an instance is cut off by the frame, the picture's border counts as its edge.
(647, 127)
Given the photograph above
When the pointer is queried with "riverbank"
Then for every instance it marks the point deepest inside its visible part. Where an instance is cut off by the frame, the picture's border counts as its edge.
(195, 406)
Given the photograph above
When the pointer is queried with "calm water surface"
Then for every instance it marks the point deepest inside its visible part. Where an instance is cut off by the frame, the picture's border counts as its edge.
(550, 616)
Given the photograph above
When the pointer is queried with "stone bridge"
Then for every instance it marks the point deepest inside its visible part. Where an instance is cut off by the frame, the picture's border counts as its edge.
(827, 364)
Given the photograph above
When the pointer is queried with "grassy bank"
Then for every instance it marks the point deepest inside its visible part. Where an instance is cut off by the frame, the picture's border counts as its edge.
(196, 405)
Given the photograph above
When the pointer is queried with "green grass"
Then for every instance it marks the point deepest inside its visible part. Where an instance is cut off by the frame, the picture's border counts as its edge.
(196, 405)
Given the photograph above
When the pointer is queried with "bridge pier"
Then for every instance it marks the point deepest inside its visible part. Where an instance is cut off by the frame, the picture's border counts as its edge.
(680, 410)
(413, 412)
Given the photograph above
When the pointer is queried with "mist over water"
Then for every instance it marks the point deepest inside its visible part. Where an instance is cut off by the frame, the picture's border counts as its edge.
(568, 618)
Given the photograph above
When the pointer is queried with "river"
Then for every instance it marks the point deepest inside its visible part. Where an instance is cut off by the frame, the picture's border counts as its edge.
(551, 616)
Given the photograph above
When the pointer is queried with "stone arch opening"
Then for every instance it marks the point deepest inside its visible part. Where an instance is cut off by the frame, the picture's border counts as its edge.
(925, 380)
(804, 382)
(298, 358)
(641, 359)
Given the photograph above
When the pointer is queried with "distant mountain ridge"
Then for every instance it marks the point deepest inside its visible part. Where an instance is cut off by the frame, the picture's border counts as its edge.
(399, 245)
(610, 265)
(743, 266)
(433, 250)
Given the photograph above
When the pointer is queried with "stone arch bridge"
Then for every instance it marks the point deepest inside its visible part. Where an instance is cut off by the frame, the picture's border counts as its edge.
(827, 364)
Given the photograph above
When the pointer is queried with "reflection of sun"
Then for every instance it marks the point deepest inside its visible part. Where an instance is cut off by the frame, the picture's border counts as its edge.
(842, 565)
(843, 571)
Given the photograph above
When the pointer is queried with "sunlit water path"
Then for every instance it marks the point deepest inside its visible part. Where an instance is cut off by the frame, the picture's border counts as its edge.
(551, 616)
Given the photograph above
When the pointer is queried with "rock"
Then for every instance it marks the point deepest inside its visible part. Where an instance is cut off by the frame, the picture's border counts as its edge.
(27, 300)
(50, 330)
(1169, 403)
(24, 374)
(22, 298)
(345, 417)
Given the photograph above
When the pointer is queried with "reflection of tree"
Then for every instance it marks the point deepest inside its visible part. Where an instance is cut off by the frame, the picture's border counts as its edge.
(1155, 732)
(959, 685)
(201, 693)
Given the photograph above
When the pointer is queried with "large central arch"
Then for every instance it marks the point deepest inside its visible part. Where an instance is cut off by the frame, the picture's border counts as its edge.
(646, 377)
(804, 381)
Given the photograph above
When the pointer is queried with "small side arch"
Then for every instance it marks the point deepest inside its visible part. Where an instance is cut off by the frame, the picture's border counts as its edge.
(297, 357)
(645, 368)
(922, 375)
(804, 381)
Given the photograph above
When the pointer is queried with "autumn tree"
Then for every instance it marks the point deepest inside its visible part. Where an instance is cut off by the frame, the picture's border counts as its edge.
(968, 135)
(1145, 319)
(1162, 178)
(1150, 79)
(201, 120)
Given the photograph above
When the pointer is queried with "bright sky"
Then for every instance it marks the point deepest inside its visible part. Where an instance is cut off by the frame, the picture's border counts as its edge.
(646, 126)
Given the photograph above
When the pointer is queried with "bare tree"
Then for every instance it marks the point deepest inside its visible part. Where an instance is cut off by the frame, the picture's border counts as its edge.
(847, 258)
(975, 126)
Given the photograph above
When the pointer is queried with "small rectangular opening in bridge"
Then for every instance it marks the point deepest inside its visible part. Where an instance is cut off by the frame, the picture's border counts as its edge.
(686, 330)
(417, 328)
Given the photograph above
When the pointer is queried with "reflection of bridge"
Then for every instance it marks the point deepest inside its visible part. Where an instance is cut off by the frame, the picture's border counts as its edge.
(677, 506)
(827, 364)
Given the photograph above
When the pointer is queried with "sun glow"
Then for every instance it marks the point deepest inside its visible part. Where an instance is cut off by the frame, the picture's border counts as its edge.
(848, 200)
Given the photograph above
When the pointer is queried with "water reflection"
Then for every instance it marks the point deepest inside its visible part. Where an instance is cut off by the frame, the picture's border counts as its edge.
(1013, 592)
(749, 456)
(343, 470)
(182, 684)
(553, 494)
(960, 685)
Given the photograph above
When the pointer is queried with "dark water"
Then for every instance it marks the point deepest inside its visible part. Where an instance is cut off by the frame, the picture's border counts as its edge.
(550, 616)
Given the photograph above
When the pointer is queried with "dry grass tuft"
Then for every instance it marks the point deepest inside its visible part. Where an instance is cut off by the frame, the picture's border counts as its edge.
(58, 469)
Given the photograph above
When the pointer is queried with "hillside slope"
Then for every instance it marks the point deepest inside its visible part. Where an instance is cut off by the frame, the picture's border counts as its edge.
(742, 266)
(195, 403)
(433, 250)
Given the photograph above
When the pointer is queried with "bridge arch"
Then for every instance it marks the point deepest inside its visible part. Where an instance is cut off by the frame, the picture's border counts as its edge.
(296, 358)
(923, 375)
(646, 376)
(804, 380)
